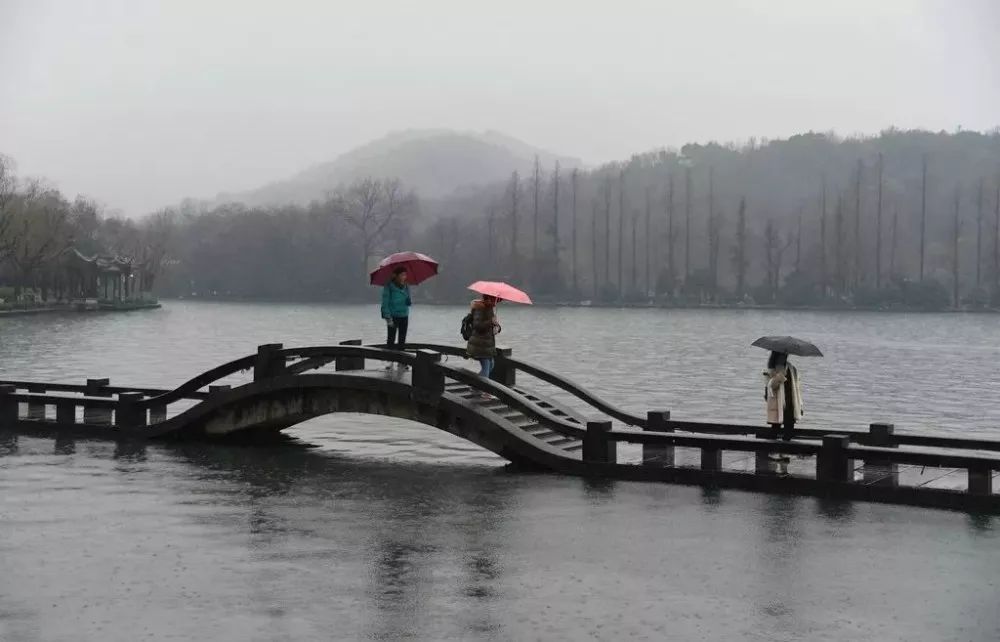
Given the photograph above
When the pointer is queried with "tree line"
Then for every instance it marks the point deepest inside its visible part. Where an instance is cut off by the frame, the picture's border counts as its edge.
(902, 219)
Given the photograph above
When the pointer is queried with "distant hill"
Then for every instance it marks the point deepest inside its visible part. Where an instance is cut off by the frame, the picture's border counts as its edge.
(436, 163)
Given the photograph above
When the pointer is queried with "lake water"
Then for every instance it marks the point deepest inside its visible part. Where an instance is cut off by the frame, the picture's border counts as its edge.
(388, 530)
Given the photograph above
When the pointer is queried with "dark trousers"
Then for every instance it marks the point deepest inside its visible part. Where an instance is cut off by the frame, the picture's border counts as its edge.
(399, 325)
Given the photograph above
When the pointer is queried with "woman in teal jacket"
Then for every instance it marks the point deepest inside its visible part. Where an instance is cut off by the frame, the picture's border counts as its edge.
(396, 308)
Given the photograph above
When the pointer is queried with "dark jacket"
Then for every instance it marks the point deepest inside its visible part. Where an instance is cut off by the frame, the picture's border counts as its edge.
(395, 301)
(483, 343)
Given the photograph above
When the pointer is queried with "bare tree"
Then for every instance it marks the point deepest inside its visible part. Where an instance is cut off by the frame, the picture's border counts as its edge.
(714, 249)
(687, 223)
(996, 239)
(514, 190)
(607, 230)
(895, 238)
(635, 251)
(923, 215)
(798, 240)
(8, 189)
(573, 278)
(593, 242)
(878, 228)
(649, 215)
(621, 232)
(370, 206)
(955, 236)
(979, 231)
(857, 224)
(536, 185)
(37, 232)
(824, 269)
(740, 263)
(774, 251)
(671, 234)
(840, 255)
(491, 213)
(555, 222)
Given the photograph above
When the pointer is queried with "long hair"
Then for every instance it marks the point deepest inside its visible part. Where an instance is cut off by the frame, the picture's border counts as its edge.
(777, 360)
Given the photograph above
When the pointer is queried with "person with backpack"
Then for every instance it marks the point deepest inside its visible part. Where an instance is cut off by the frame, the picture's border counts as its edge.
(480, 328)
(396, 304)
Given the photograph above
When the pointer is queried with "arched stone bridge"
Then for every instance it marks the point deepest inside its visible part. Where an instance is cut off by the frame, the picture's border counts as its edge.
(515, 421)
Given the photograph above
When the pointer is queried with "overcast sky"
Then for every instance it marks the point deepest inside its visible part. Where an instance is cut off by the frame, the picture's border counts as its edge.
(139, 103)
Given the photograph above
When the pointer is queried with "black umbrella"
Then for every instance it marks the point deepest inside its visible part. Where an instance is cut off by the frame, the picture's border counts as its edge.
(788, 345)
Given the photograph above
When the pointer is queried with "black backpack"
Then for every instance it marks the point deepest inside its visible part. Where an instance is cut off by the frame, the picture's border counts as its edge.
(467, 326)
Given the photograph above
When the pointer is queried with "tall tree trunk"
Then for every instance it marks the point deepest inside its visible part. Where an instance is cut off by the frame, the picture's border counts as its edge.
(635, 248)
(515, 190)
(979, 232)
(671, 236)
(489, 222)
(923, 215)
(996, 241)
(798, 241)
(537, 183)
(687, 224)
(711, 227)
(576, 291)
(840, 255)
(621, 234)
(593, 241)
(954, 249)
(822, 239)
(857, 224)
(741, 248)
(878, 229)
(649, 216)
(607, 231)
(895, 238)
(555, 227)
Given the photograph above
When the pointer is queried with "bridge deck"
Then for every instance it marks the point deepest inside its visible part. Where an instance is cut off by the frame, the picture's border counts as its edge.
(289, 386)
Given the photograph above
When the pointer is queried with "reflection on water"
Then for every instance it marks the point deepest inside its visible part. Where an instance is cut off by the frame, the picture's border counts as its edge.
(388, 530)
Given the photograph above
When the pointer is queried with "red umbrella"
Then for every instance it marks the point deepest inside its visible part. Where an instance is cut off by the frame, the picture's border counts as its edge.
(500, 290)
(419, 268)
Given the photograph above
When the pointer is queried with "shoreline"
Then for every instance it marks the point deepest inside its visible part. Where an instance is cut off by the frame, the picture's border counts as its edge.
(69, 308)
(601, 305)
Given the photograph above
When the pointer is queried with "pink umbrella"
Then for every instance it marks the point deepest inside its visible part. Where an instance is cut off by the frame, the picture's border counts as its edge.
(500, 290)
(419, 268)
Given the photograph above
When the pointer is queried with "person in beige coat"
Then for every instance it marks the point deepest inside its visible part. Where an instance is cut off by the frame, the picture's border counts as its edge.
(783, 395)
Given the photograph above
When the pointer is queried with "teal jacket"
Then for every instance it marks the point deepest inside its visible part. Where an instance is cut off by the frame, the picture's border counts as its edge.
(395, 301)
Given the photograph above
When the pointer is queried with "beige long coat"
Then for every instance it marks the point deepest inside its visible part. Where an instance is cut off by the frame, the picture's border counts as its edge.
(774, 393)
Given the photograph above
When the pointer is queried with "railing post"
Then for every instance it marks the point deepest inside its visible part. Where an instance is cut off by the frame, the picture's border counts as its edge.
(504, 371)
(711, 459)
(980, 480)
(428, 378)
(881, 473)
(8, 407)
(157, 414)
(597, 448)
(269, 363)
(66, 411)
(658, 454)
(832, 463)
(99, 416)
(128, 413)
(36, 409)
(763, 464)
(349, 363)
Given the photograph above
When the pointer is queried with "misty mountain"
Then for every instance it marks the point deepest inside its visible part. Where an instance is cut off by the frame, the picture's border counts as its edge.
(436, 163)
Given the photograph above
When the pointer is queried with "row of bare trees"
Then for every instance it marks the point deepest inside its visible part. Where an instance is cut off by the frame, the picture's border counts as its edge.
(38, 224)
(852, 233)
